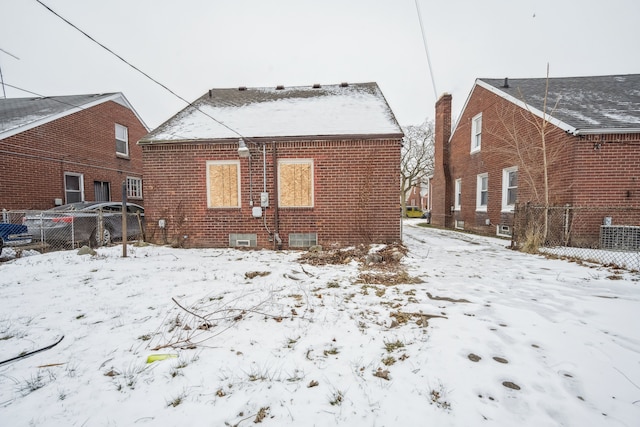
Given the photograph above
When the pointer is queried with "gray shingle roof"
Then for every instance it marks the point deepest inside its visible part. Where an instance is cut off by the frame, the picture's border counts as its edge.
(20, 114)
(303, 111)
(598, 104)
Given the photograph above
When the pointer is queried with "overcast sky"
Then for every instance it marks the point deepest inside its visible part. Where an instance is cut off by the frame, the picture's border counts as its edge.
(193, 45)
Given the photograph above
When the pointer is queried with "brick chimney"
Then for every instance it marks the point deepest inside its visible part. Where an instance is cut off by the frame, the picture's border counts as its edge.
(442, 190)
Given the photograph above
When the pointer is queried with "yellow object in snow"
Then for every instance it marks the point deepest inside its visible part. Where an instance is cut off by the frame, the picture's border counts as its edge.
(155, 357)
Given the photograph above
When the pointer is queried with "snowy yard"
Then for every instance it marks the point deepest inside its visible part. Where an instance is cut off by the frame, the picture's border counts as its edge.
(473, 334)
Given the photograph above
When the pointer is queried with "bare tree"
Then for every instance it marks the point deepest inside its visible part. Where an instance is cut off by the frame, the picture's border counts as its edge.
(417, 161)
(530, 151)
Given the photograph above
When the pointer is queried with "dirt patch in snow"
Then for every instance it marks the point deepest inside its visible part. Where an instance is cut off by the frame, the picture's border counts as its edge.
(388, 257)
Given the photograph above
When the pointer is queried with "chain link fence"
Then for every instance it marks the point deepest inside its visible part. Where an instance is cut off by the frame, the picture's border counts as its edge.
(60, 230)
(605, 235)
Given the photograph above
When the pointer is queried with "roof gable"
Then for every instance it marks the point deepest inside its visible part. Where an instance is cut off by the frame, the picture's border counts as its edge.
(585, 105)
(353, 109)
(21, 114)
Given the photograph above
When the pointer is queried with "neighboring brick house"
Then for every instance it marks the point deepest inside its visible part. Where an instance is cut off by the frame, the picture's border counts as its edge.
(491, 158)
(276, 168)
(418, 195)
(61, 149)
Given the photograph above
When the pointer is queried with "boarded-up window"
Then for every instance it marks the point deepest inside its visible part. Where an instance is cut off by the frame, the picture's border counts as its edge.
(223, 184)
(295, 183)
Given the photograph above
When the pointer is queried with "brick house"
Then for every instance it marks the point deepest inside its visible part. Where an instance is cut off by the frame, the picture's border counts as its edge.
(491, 158)
(276, 168)
(61, 149)
(418, 195)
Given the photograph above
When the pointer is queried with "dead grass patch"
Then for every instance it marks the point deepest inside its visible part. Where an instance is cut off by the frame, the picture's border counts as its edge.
(334, 256)
(388, 256)
(388, 278)
(420, 319)
(252, 274)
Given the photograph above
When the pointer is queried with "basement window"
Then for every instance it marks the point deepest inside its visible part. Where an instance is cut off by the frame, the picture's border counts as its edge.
(503, 230)
(303, 240)
(243, 240)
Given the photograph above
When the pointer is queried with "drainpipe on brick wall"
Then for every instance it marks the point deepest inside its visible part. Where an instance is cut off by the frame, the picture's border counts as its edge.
(277, 241)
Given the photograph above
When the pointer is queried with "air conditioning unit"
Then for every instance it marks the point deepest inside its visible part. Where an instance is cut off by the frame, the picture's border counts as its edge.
(620, 237)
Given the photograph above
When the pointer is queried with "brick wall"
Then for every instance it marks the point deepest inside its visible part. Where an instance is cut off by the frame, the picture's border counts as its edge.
(84, 142)
(356, 193)
(581, 173)
(441, 186)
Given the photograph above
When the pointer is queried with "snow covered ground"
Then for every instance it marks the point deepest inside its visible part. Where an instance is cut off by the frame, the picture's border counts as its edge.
(475, 334)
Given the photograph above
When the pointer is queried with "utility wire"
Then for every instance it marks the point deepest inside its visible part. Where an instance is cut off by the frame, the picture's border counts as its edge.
(426, 49)
(4, 94)
(138, 69)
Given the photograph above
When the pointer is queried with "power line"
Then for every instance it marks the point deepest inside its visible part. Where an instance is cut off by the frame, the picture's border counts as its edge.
(4, 94)
(138, 69)
(9, 53)
(426, 49)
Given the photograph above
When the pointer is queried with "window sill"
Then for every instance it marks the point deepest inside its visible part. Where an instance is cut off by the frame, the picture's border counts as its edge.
(475, 150)
(123, 156)
(482, 209)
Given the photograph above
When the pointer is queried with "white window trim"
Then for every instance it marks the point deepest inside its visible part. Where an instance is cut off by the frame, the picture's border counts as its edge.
(475, 132)
(479, 206)
(80, 183)
(505, 188)
(457, 201)
(298, 162)
(223, 162)
(134, 187)
(126, 140)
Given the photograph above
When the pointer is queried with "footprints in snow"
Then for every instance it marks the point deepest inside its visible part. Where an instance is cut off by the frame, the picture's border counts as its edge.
(508, 384)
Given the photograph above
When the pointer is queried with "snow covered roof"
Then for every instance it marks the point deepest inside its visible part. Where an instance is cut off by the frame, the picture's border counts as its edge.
(586, 105)
(304, 111)
(21, 114)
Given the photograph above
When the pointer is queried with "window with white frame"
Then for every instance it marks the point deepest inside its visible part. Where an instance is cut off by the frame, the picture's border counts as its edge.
(509, 188)
(482, 192)
(223, 184)
(458, 194)
(476, 133)
(73, 187)
(122, 140)
(134, 188)
(295, 183)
